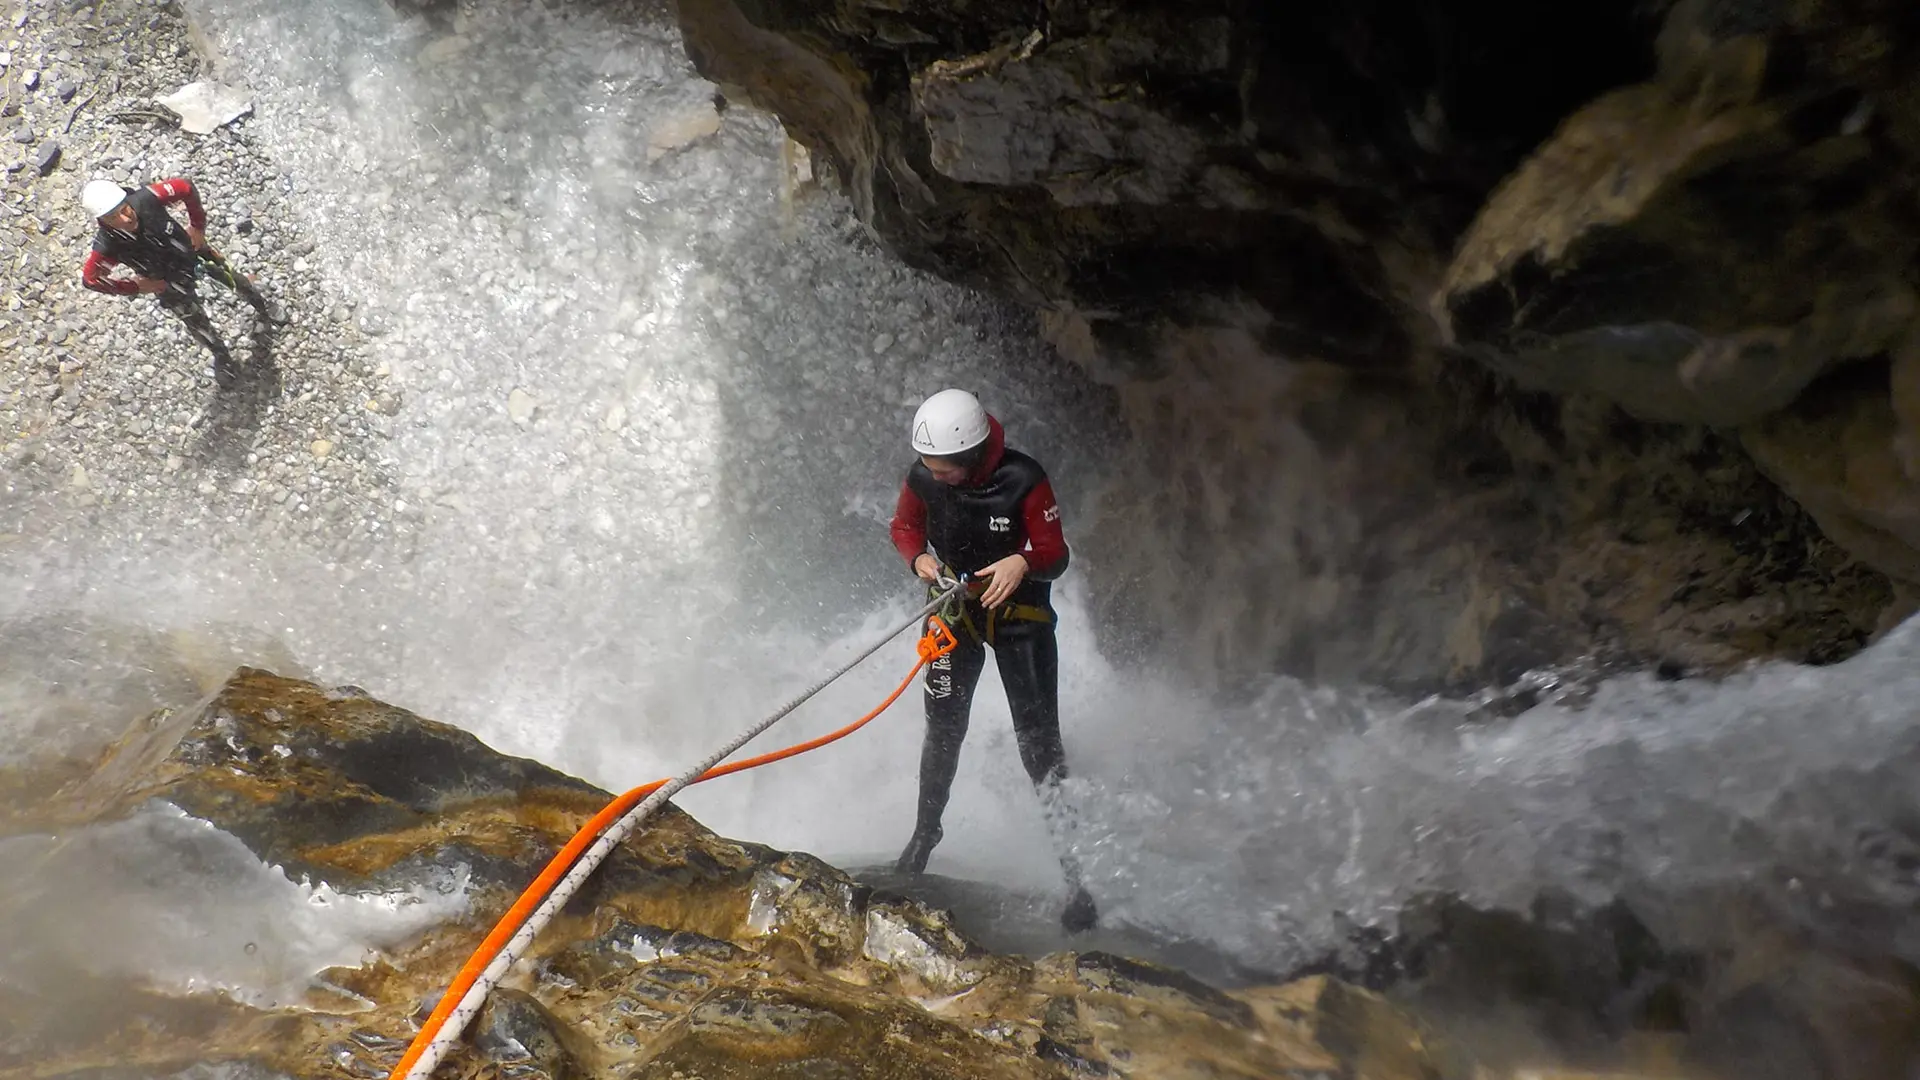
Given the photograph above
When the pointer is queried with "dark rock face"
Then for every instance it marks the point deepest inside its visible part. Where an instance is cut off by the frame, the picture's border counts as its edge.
(1769, 1004)
(1297, 240)
(1701, 246)
(1846, 451)
(1142, 163)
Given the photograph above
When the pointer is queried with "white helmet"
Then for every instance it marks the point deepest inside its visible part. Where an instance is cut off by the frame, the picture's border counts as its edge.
(949, 423)
(102, 197)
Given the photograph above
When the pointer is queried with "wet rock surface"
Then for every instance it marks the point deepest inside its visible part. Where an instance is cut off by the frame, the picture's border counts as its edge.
(693, 955)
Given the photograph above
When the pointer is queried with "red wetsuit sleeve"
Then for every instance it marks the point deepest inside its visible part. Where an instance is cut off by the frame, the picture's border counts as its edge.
(1046, 545)
(181, 190)
(910, 525)
(93, 274)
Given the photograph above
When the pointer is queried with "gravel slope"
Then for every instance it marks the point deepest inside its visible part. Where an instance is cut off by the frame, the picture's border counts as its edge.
(109, 409)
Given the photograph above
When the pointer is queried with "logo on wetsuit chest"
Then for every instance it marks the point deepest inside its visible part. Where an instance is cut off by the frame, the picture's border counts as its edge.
(999, 524)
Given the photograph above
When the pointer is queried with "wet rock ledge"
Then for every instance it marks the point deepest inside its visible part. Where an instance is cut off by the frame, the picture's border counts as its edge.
(688, 955)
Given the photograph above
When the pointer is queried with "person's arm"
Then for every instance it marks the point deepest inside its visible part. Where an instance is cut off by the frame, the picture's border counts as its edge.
(180, 191)
(910, 532)
(96, 273)
(1046, 552)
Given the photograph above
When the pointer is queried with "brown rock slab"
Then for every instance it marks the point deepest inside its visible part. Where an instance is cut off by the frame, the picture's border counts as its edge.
(689, 954)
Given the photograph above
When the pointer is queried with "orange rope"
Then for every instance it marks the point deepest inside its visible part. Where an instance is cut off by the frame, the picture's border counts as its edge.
(937, 643)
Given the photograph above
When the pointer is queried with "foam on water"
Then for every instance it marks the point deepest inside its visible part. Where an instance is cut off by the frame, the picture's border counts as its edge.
(169, 899)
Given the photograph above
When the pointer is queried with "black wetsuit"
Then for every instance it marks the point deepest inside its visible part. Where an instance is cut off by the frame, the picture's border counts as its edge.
(160, 248)
(1006, 507)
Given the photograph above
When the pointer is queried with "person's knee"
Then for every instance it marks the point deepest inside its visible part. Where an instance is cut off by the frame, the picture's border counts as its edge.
(947, 723)
(945, 716)
(1046, 760)
(1036, 728)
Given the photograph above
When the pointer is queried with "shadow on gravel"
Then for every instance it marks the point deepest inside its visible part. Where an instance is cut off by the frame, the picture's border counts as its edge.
(246, 385)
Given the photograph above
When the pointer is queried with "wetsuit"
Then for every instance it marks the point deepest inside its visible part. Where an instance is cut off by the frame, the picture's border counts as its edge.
(1004, 507)
(161, 248)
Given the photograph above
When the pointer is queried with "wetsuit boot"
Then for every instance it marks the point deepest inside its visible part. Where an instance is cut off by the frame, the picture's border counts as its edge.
(1080, 914)
(914, 859)
(1028, 656)
(226, 371)
(265, 312)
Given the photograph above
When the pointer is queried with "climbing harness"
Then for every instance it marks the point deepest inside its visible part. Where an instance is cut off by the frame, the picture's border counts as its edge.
(958, 612)
(568, 871)
(952, 590)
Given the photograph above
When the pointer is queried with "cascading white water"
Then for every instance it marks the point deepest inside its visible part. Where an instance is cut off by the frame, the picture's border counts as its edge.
(694, 507)
(167, 897)
(694, 512)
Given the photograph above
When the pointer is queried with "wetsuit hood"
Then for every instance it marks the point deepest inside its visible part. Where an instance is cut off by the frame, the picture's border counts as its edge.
(996, 445)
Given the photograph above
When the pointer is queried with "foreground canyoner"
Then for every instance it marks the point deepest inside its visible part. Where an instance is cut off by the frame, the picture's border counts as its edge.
(972, 508)
(165, 258)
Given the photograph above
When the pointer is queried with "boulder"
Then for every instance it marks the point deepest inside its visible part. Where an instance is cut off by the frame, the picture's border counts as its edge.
(687, 955)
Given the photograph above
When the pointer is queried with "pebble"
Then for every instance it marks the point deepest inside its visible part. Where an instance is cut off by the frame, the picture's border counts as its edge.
(520, 406)
(142, 432)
